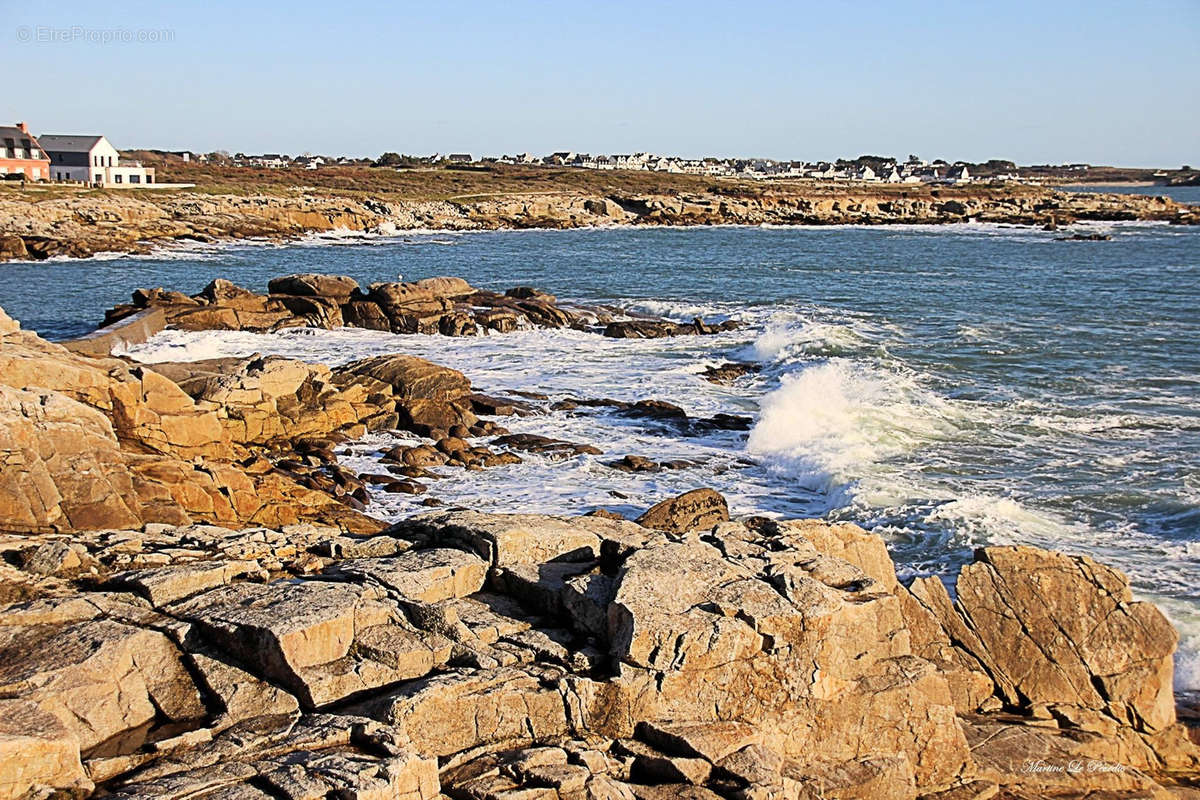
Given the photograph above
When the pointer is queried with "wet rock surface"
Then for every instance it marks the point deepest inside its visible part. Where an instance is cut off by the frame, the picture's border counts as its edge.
(444, 305)
(729, 372)
(656, 413)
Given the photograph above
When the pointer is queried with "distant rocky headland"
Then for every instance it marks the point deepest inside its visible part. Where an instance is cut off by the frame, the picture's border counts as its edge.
(196, 603)
(38, 225)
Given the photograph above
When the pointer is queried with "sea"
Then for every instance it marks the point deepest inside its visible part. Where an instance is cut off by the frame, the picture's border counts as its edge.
(948, 387)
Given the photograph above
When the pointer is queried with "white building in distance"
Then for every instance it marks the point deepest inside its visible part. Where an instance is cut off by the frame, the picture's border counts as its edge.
(92, 160)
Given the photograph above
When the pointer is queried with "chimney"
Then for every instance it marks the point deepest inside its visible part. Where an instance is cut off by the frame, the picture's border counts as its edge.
(23, 127)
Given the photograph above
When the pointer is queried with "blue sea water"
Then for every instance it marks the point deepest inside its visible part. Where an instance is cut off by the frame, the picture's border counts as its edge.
(948, 387)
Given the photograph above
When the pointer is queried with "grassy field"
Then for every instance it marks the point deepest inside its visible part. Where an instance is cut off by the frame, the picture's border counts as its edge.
(465, 183)
(450, 183)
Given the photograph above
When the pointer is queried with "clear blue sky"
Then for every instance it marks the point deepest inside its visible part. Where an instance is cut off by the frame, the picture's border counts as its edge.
(1047, 81)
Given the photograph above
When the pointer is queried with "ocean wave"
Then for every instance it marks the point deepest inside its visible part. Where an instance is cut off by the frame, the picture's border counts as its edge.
(860, 435)
(788, 336)
(990, 519)
(684, 310)
(829, 424)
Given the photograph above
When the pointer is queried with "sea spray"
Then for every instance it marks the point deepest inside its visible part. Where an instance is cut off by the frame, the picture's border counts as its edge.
(830, 425)
(963, 390)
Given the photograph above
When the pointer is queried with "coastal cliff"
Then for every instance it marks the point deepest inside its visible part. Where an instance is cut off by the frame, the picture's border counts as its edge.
(82, 224)
(196, 605)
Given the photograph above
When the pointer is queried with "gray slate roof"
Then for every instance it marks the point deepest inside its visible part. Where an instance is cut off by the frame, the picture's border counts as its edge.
(13, 132)
(68, 144)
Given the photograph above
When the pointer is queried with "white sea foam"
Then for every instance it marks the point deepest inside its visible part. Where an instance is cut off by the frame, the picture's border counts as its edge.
(685, 310)
(840, 424)
(993, 520)
(829, 425)
(788, 336)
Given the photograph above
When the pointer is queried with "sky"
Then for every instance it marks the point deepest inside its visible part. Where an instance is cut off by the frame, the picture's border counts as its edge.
(1036, 82)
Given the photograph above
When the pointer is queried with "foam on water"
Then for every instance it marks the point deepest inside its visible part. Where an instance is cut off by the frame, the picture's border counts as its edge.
(859, 436)
(831, 425)
(789, 336)
(942, 431)
(988, 519)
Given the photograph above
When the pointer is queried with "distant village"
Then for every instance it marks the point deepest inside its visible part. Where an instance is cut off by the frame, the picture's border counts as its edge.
(864, 168)
(91, 159)
(870, 169)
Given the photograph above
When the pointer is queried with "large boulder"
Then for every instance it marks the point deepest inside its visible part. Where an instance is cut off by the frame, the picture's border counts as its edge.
(429, 398)
(417, 307)
(365, 314)
(1063, 633)
(335, 287)
(707, 630)
(699, 508)
(412, 378)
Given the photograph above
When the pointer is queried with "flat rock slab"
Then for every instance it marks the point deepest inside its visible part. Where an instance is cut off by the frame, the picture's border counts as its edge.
(165, 585)
(37, 750)
(506, 539)
(324, 641)
(449, 713)
(106, 682)
(426, 576)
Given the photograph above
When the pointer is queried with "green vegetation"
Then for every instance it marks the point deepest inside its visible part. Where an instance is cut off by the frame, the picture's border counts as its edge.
(451, 182)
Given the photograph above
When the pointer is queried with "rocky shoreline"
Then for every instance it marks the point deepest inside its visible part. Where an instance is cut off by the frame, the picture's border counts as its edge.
(195, 602)
(444, 305)
(81, 226)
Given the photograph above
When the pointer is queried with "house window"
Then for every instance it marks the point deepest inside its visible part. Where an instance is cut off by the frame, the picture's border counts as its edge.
(116, 178)
(99, 177)
(149, 179)
(135, 179)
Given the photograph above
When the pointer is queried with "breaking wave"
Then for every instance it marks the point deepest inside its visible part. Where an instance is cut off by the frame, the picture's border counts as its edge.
(832, 424)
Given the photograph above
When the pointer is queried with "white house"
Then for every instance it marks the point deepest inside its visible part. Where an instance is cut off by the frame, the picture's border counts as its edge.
(823, 171)
(269, 160)
(92, 160)
(629, 161)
